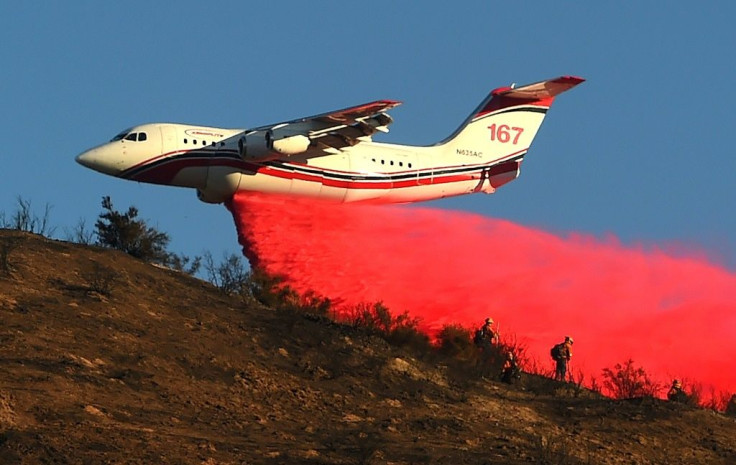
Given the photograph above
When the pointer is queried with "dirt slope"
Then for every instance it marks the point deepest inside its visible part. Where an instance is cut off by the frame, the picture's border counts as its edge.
(167, 370)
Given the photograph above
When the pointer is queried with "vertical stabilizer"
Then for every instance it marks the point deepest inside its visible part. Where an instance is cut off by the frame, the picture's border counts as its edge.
(503, 126)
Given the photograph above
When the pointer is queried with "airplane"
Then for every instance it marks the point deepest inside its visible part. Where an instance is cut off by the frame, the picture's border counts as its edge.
(332, 155)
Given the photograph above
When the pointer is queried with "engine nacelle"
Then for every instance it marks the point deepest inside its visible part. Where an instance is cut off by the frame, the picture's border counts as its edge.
(256, 146)
(264, 146)
(209, 197)
(291, 145)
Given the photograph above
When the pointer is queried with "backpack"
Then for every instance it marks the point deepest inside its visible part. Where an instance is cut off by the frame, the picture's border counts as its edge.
(556, 351)
(478, 338)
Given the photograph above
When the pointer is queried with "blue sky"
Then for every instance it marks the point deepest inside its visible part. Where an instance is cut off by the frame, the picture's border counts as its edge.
(640, 151)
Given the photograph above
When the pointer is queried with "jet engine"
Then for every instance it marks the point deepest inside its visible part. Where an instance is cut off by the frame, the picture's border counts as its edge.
(265, 145)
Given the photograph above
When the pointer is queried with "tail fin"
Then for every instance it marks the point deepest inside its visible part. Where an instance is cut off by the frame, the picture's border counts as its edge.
(502, 128)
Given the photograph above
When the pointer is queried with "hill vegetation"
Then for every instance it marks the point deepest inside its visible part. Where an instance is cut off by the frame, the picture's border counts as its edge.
(106, 357)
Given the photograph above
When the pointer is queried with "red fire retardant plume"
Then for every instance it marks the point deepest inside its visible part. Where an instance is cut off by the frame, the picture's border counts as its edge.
(674, 316)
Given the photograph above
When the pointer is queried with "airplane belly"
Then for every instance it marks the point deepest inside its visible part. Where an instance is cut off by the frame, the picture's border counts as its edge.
(331, 174)
(306, 188)
(306, 182)
(222, 183)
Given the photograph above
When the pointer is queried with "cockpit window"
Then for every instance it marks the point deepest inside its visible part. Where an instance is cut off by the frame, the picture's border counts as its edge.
(120, 136)
(136, 136)
(131, 136)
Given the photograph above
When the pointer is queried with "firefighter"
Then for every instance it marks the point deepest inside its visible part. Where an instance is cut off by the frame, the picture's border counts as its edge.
(676, 394)
(485, 336)
(510, 371)
(731, 406)
(562, 353)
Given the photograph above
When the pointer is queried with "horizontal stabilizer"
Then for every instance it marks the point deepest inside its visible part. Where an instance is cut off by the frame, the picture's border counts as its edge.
(540, 90)
(540, 93)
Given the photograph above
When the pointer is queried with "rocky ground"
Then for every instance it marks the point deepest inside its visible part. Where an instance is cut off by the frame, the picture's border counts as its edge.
(106, 359)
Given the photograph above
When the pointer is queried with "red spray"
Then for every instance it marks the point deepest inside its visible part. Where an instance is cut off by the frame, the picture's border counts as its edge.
(674, 316)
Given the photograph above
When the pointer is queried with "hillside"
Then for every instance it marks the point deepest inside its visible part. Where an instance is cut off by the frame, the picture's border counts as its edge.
(165, 369)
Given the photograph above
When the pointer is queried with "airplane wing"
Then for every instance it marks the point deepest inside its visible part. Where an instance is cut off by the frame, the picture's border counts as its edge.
(338, 129)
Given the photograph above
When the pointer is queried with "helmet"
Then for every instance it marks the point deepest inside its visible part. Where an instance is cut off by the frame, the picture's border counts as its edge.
(510, 356)
(569, 339)
(489, 320)
(676, 383)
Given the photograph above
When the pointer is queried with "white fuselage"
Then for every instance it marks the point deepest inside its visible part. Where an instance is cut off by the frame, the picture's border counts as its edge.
(208, 160)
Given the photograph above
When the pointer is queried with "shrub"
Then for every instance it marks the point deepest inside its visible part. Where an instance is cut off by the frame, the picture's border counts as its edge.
(122, 231)
(230, 275)
(80, 234)
(707, 397)
(269, 290)
(731, 406)
(374, 317)
(721, 401)
(25, 220)
(100, 279)
(405, 332)
(400, 330)
(315, 304)
(454, 341)
(625, 381)
(184, 263)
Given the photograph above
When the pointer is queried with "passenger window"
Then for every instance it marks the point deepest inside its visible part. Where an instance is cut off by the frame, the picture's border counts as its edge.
(185, 141)
(141, 136)
(132, 136)
(401, 163)
(204, 142)
(392, 163)
(194, 141)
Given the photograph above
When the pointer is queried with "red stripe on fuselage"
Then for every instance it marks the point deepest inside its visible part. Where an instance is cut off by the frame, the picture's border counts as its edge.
(165, 172)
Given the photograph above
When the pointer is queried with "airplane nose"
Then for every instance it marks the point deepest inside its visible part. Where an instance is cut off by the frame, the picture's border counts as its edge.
(100, 159)
(86, 159)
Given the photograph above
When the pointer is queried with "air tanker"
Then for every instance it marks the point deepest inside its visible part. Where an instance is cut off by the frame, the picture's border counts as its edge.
(333, 156)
